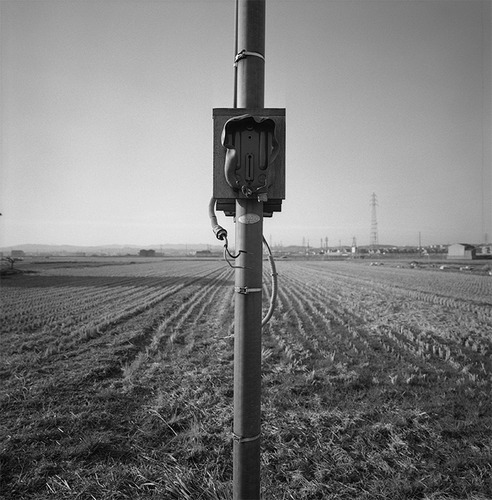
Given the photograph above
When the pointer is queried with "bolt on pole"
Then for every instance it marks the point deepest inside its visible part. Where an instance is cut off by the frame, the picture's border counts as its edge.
(248, 275)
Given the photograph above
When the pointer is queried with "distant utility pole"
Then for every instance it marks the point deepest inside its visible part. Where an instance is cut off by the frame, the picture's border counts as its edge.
(374, 240)
(354, 246)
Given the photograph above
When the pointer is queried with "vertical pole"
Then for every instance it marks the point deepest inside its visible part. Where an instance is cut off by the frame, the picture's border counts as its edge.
(248, 277)
(251, 37)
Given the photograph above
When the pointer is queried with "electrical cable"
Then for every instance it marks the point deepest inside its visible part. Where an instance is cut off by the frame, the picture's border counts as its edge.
(221, 234)
(218, 230)
(273, 297)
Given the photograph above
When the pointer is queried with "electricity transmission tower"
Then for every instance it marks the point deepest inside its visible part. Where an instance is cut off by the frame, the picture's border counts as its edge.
(373, 240)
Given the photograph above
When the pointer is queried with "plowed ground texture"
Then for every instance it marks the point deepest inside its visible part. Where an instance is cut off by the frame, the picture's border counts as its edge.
(116, 382)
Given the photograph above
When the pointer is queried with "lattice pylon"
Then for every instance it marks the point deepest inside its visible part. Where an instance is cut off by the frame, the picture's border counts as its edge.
(374, 240)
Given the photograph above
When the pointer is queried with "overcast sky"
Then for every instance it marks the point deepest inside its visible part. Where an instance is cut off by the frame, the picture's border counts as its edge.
(106, 115)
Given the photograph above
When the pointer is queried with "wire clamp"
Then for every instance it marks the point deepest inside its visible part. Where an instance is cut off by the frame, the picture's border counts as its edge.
(245, 290)
(240, 439)
(245, 53)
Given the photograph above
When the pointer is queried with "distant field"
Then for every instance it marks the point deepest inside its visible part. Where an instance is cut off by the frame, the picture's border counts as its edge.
(116, 381)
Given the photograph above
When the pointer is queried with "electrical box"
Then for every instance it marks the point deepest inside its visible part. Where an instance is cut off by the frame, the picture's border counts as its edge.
(249, 157)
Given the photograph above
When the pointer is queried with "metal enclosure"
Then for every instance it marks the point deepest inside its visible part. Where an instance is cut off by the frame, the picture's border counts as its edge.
(249, 157)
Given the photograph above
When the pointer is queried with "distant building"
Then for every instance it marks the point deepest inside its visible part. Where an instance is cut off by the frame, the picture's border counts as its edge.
(461, 251)
(147, 253)
(207, 253)
(484, 251)
(17, 254)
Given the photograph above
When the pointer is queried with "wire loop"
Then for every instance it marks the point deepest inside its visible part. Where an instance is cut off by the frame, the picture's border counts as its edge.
(221, 234)
(227, 252)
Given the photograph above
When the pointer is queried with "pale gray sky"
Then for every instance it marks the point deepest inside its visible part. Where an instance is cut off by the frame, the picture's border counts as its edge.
(107, 129)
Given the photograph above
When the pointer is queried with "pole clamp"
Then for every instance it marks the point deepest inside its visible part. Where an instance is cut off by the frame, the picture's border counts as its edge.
(240, 439)
(245, 53)
(245, 290)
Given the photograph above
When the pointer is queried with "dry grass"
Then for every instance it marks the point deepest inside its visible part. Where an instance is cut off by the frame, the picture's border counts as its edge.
(365, 394)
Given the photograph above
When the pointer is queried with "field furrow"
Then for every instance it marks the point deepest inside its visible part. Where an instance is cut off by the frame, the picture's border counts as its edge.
(117, 382)
(406, 327)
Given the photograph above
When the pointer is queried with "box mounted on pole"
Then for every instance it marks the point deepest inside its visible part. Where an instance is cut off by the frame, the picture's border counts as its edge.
(249, 157)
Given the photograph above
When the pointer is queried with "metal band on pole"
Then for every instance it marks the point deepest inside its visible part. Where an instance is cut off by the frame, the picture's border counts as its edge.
(246, 53)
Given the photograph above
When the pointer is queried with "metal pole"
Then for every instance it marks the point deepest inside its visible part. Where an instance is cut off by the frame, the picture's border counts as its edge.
(251, 69)
(248, 277)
